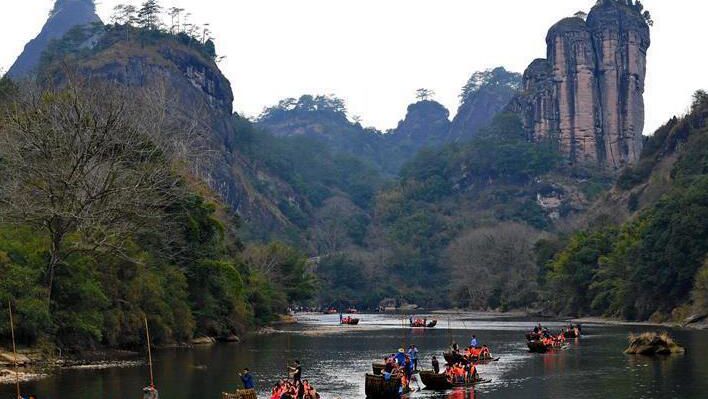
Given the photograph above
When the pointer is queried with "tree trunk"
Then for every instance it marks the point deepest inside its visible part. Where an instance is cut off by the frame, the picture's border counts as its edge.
(54, 260)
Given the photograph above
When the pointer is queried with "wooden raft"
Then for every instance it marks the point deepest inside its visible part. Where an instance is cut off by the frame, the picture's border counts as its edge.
(240, 394)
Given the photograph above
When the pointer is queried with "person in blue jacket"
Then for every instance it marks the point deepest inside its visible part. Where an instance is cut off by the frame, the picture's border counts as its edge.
(401, 357)
(473, 342)
(247, 379)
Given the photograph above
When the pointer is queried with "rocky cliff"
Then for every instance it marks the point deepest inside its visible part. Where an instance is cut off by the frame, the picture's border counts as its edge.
(485, 95)
(426, 124)
(65, 15)
(587, 95)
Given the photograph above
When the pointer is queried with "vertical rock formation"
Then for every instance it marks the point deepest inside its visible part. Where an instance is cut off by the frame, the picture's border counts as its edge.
(588, 94)
(65, 15)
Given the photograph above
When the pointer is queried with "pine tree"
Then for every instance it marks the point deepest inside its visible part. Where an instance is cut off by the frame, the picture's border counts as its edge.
(149, 14)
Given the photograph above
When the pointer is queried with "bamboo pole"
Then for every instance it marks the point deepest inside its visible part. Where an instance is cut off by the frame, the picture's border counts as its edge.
(147, 333)
(14, 350)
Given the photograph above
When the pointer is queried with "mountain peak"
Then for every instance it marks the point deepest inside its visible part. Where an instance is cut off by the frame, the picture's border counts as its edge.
(65, 15)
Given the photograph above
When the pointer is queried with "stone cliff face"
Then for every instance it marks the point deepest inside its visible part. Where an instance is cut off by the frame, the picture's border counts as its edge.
(65, 15)
(588, 94)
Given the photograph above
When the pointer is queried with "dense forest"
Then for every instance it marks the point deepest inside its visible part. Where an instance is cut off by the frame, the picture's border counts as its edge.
(652, 266)
(103, 223)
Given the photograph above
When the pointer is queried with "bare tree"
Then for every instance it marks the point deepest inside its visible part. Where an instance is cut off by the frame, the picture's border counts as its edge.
(494, 258)
(79, 165)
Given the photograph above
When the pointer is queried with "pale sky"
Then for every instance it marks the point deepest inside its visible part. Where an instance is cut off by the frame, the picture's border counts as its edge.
(375, 53)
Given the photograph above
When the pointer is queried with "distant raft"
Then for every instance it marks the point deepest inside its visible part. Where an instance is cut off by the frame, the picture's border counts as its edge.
(423, 323)
(349, 321)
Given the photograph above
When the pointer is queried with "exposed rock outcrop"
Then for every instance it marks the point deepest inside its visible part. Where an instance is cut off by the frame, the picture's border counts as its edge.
(588, 94)
(426, 124)
(485, 95)
(65, 15)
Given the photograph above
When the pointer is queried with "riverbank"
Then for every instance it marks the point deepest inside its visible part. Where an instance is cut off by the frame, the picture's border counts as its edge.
(698, 325)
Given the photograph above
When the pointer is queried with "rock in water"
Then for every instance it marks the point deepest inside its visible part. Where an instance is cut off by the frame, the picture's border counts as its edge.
(588, 94)
(653, 344)
(65, 15)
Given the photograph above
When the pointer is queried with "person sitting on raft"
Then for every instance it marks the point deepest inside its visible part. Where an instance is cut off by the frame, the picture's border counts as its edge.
(485, 353)
(309, 391)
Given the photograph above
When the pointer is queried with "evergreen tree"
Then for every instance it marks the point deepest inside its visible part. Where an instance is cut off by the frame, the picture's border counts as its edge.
(149, 14)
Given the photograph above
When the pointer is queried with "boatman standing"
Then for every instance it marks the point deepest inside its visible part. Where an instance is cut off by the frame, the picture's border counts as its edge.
(297, 371)
(247, 379)
(473, 342)
(413, 353)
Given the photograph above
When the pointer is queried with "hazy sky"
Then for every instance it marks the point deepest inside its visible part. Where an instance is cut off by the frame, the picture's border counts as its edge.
(375, 53)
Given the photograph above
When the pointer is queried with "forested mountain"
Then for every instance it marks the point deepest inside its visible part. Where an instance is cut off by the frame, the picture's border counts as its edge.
(496, 209)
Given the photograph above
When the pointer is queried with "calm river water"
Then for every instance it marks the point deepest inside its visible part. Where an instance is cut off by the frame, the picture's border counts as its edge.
(336, 358)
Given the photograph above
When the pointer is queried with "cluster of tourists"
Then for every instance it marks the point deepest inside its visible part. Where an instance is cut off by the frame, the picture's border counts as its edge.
(401, 364)
(461, 364)
(541, 339)
(286, 389)
(293, 388)
(461, 373)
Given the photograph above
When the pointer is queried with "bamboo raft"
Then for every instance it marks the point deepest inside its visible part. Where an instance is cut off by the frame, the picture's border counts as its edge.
(418, 324)
(351, 322)
(439, 382)
(378, 388)
(240, 394)
(538, 347)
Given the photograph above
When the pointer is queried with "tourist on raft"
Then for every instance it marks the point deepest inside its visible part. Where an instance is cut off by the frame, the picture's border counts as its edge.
(293, 390)
(436, 365)
(399, 365)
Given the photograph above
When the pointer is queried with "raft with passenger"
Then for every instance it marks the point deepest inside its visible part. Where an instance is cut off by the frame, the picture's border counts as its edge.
(437, 381)
(482, 358)
(349, 321)
(422, 323)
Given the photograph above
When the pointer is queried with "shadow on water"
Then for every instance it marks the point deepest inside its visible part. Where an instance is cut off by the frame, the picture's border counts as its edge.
(336, 358)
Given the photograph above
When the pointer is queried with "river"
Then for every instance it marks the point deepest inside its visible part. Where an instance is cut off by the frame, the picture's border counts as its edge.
(335, 359)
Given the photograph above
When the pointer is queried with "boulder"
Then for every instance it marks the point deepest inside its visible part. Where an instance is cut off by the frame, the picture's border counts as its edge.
(650, 344)
(7, 358)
